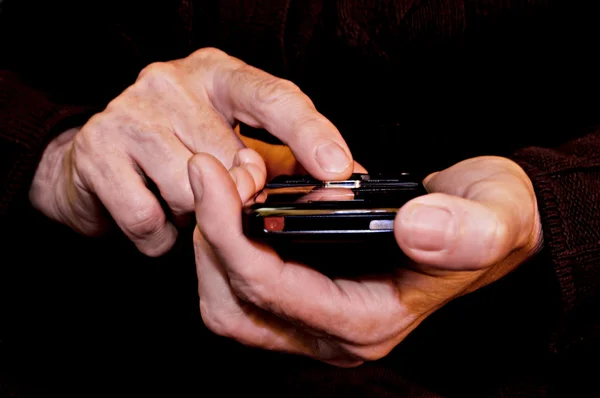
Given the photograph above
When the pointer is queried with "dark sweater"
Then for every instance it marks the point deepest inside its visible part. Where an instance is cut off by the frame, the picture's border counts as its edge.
(412, 85)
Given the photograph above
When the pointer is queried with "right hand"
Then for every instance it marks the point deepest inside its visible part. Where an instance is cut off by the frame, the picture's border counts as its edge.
(174, 110)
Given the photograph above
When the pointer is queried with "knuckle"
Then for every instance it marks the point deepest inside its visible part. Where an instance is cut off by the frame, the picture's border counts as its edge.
(157, 71)
(312, 125)
(498, 242)
(360, 333)
(89, 152)
(209, 60)
(210, 52)
(91, 137)
(159, 77)
(144, 221)
(497, 164)
(121, 110)
(375, 325)
(372, 353)
(274, 90)
(216, 323)
(249, 285)
(131, 119)
(181, 202)
(250, 291)
(155, 135)
(502, 231)
(81, 144)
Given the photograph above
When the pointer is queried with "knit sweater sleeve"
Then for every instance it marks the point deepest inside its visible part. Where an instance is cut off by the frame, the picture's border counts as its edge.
(567, 184)
(28, 120)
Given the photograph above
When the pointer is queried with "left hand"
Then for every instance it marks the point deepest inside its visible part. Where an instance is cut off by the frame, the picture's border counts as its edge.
(477, 224)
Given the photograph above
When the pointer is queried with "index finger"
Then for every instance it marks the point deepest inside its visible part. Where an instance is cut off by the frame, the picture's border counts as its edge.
(261, 100)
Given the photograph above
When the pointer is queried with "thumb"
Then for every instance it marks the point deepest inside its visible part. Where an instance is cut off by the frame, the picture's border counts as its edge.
(451, 232)
(471, 221)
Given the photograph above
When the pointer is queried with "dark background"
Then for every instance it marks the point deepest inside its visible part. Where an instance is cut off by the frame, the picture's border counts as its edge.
(92, 317)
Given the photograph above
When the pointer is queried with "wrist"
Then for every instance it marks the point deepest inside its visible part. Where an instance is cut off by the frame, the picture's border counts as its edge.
(48, 178)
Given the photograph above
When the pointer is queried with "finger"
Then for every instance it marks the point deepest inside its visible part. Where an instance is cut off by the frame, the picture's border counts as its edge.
(280, 160)
(133, 207)
(248, 173)
(471, 232)
(347, 309)
(254, 163)
(164, 160)
(261, 100)
(207, 131)
(244, 183)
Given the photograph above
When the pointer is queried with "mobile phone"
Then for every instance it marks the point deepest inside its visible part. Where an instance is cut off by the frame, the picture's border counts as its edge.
(301, 208)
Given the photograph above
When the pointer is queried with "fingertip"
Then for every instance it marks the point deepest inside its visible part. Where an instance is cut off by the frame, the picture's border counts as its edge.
(333, 161)
(258, 175)
(244, 182)
(159, 243)
(248, 155)
(254, 164)
(358, 168)
(427, 181)
(321, 175)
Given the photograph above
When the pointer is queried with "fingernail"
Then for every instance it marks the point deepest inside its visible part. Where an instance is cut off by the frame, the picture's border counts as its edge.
(429, 228)
(332, 158)
(196, 181)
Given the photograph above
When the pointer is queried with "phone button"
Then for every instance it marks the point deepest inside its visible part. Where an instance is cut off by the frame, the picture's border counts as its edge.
(342, 184)
(378, 225)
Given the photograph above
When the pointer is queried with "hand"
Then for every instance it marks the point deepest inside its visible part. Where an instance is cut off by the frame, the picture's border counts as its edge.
(149, 132)
(479, 222)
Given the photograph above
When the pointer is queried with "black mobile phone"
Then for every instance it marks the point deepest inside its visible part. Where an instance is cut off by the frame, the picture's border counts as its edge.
(301, 208)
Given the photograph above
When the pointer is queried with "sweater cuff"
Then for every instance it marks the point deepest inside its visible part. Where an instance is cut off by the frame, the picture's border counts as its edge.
(28, 122)
(553, 231)
(566, 187)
